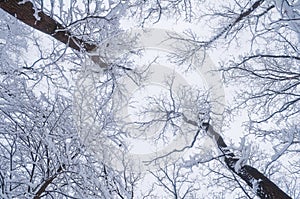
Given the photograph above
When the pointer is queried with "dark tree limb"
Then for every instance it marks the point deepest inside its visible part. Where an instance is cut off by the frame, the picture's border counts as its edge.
(25, 13)
(239, 19)
(263, 186)
(42, 189)
(47, 182)
(248, 11)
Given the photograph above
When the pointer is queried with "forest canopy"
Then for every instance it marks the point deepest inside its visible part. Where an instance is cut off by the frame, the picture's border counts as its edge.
(149, 99)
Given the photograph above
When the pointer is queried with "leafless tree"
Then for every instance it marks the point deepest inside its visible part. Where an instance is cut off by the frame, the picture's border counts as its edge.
(41, 152)
(267, 36)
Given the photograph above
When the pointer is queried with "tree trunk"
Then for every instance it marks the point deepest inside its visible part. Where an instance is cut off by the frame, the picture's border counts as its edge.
(262, 185)
(25, 13)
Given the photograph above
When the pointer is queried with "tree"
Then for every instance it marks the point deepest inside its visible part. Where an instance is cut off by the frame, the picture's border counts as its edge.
(273, 88)
(41, 156)
(267, 66)
(40, 152)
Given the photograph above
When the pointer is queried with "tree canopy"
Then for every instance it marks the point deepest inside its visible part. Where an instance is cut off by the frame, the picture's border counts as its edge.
(67, 69)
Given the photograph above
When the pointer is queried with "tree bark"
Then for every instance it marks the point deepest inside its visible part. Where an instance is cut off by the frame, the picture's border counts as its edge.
(25, 13)
(49, 181)
(262, 185)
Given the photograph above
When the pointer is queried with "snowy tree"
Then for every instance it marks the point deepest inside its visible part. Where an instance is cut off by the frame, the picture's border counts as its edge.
(42, 152)
(267, 67)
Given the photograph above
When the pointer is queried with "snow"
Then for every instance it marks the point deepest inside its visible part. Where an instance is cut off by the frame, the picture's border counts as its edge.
(36, 10)
(278, 153)
(255, 185)
(290, 11)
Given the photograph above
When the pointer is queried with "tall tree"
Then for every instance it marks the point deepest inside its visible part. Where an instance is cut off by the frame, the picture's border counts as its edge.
(41, 155)
(266, 34)
(274, 91)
